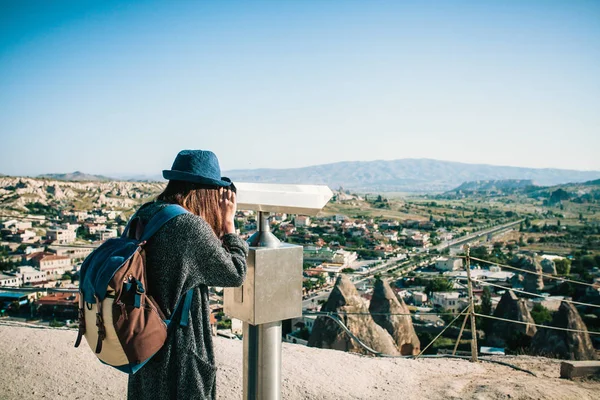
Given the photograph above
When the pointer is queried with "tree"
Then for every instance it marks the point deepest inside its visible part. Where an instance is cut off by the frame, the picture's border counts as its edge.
(479, 252)
(541, 314)
(321, 280)
(308, 284)
(563, 266)
(438, 285)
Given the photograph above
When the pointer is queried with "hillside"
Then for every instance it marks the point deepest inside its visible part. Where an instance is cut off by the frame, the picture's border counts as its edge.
(407, 175)
(19, 194)
(497, 186)
(35, 363)
(76, 176)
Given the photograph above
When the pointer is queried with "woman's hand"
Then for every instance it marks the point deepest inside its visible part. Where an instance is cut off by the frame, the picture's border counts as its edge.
(228, 206)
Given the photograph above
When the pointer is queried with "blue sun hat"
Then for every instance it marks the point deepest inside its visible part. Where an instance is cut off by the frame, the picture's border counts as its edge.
(198, 166)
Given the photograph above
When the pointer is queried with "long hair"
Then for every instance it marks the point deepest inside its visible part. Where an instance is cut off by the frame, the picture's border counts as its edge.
(198, 199)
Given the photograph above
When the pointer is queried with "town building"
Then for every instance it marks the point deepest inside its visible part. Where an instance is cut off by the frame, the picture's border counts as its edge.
(92, 229)
(447, 300)
(419, 298)
(418, 239)
(449, 263)
(52, 265)
(106, 234)
(24, 236)
(301, 220)
(74, 253)
(30, 275)
(9, 281)
(13, 225)
(61, 236)
(59, 304)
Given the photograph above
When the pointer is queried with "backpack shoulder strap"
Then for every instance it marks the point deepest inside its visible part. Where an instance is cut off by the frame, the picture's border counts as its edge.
(186, 304)
(160, 218)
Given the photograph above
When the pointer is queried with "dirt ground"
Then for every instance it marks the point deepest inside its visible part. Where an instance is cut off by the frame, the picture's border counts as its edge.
(40, 363)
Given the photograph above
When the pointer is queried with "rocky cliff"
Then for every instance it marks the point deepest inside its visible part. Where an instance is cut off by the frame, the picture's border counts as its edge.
(502, 333)
(352, 309)
(400, 327)
(562, 344)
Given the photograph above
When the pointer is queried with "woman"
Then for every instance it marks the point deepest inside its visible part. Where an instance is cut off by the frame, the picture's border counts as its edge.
(193, 250)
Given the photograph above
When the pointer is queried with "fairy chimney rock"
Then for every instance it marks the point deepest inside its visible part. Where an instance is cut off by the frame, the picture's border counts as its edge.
(385, 302)
(354, 313)
(548, 266)
(563, 344)
(533, 283)
(513, 308)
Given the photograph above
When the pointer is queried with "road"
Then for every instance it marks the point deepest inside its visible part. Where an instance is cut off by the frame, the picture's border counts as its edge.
(476, 235)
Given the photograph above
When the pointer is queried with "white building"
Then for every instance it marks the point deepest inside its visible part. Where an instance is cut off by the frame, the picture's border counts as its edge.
(344, 257)
(301, 220)
(419, 298)
(52, 265)
(339, 218)
(31, 249)
(15, 225)
(31, 275)
(92, 229)
(393, 236)
(9, 280)
(73, 253)
(61, 236)
(447, 300)
(449, 264)
(26, 236)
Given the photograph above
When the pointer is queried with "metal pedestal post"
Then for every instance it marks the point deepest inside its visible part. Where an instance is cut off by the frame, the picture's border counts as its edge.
(262, 361)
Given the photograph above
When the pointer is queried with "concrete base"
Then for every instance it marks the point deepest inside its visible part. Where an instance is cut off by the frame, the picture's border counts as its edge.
(579, 369)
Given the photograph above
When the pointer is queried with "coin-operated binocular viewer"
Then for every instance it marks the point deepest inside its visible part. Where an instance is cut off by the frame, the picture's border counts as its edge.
(272, 291)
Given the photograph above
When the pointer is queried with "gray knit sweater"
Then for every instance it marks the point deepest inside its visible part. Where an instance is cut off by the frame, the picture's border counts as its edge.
(185, 254)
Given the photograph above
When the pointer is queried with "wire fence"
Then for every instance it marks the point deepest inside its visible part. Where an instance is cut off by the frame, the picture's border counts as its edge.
(549, 276)
(558, 328)
(535, 294)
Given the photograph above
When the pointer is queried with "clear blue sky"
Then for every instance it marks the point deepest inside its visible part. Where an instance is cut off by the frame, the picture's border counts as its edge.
(119, 87)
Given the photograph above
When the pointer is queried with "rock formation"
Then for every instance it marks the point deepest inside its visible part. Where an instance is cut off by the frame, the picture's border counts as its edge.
(327, 334)
(562, 344)
(503, 333)
(517, 281)
(400, 327)
(548, 266)
(533, 283)
(17, 193)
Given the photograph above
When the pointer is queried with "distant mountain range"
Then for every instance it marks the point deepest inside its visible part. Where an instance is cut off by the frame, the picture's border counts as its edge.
(77, 176)
(405, 175)
(408, 175)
